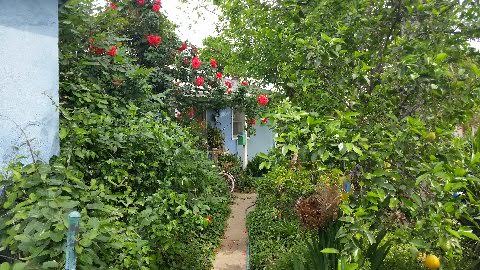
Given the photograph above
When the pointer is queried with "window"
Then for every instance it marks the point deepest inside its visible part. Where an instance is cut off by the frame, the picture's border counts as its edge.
(238, 123)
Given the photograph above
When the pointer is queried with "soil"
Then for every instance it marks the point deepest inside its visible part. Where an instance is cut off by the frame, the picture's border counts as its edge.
(232, 254)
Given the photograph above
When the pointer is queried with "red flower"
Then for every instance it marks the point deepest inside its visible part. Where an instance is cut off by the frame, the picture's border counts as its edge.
(113, 6)
(199, 81)
(113, 51)
(228, 84)
(141, 2)
(156, 6)
(213, 63)
(264, 120)
(196, 63)
(183, 47)
(262, 100)
(219, 75)
(245, 83)
(154, 40)
(229, 91)
(252, 121)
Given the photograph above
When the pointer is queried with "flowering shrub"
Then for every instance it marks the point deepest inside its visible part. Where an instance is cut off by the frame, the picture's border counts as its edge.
(209, 89)
(149, 198)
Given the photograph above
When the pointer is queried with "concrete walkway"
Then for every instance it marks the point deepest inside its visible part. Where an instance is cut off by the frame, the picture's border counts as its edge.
(232, 254)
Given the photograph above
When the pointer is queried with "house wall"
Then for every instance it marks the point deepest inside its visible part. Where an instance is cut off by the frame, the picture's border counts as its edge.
(223, 121)
(28, 79)
(260, 142)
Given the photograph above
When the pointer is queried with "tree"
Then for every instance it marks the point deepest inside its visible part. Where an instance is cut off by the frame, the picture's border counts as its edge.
(375, 57)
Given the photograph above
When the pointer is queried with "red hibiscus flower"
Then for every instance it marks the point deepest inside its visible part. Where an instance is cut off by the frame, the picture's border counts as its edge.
(156, 6)
(262, 100)
(252, 121)
(219, 75)
(154, 40)
(213, 63)
(113, 51)
(183, 47)
(228, 84)
(196, 63)
(199, 81)
(264, 120)
(229, 91)
(141, 2)
(245, 83)
(113, 6)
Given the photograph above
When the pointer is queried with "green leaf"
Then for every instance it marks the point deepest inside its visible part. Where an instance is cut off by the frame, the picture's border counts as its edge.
(440, 57)
(475, 70)
(5, 266)
(50, 264)
(63, 133)
(19, 266)
(326, 37)
(468, 233)
(329, 251)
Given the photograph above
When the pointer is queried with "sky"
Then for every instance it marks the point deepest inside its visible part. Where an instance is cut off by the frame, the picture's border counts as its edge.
(192, 25)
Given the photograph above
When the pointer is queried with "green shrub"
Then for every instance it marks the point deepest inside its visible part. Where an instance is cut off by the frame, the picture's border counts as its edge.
(253, 167)
(149, 199)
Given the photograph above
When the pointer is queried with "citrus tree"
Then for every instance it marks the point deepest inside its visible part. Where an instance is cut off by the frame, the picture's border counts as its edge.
(376, 89)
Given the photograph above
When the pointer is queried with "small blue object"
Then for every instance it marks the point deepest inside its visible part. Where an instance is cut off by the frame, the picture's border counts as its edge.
(457, 194)
(70, 256)
(347, 186)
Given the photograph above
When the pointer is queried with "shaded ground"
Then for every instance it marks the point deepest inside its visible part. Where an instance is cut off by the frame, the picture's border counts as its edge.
(232, 254)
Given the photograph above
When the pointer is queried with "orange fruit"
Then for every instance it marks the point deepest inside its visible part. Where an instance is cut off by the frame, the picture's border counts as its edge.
(432, 262)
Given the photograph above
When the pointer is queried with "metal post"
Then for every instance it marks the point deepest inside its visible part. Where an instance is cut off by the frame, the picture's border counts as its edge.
(245, 150)
(73, 223)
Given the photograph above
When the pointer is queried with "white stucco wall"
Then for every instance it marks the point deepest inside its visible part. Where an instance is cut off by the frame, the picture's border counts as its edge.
(28, 79)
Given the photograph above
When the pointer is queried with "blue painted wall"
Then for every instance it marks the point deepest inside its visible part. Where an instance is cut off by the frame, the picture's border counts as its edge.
(222, 119)
(260, 142)
(28, 78)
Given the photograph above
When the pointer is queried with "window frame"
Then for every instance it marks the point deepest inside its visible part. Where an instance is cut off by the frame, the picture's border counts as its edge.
(235, 137)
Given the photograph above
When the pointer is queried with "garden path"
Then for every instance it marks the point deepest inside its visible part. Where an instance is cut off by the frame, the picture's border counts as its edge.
(232, 254)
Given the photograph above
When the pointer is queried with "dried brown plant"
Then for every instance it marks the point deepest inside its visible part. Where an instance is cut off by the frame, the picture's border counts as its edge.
(319, 209)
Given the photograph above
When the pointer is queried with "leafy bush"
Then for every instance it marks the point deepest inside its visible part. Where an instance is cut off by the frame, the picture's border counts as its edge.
(253, 167)
(149, 199)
